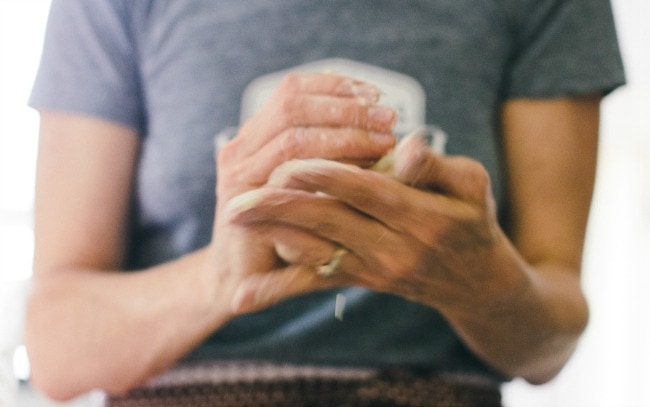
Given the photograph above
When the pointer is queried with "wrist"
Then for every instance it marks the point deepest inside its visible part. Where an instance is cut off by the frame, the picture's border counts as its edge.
(211, 289)
(506, 281)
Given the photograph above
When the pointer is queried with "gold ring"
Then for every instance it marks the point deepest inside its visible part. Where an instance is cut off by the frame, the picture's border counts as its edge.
(331, 268)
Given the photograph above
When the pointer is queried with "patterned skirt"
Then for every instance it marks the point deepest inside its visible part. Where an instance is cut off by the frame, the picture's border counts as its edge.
(265, 385)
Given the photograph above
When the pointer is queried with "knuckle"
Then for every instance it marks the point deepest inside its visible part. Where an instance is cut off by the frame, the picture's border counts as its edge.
(290, 142)
(402, 268)
(227, 153)
(418, 168)
(315, 256)
(478, 180)
(288, 108)
(403, 271)
(438, 234)
(326, 227)
(482, 194)
(285, 104)
(290, 83)
(481, 178)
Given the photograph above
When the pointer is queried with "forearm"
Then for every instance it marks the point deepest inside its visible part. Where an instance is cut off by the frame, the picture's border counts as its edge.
(531, 328)
(91, 329)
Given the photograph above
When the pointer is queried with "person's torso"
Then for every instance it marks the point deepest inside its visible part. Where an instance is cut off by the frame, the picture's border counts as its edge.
(438, 63)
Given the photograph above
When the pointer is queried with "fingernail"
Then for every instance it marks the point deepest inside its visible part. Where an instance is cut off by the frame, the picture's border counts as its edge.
(382, 115)
(244, 202)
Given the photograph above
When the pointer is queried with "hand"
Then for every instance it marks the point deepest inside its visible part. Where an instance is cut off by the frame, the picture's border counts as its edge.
(428, 233)
(310, 115)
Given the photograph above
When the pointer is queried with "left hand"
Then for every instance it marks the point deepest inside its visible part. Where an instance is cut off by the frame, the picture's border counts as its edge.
(429, 233)
(308, 115)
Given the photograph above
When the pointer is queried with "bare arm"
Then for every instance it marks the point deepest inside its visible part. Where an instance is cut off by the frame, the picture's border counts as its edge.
(90, 325)
(86, 321)
(550, 150)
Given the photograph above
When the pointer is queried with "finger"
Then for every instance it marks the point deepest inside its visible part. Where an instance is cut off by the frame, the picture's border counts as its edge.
(346, 144)
(317, 110)
(320, 215)
(330, 84)
(262, 290)
(374, 194)
(259, 291)
(295, 92)
(295, 246)
(419, 216)
(375, 256)
(418, 165)
(311, 84)
(287, 111)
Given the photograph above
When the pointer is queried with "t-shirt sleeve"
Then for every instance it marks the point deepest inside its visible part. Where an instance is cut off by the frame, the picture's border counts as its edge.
(89, 63)
(564, 47)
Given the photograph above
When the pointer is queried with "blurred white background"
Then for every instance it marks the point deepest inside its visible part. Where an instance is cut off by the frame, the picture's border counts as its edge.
(612, 364)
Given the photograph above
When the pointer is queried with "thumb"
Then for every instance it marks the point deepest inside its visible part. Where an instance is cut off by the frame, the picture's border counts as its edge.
(418, 165)
(225, 152)
(414, 162)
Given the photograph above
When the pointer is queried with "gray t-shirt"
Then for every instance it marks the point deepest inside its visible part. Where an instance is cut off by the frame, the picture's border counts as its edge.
(181, 71)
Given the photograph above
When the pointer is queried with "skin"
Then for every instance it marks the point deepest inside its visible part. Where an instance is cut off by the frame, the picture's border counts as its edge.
(516, 301)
